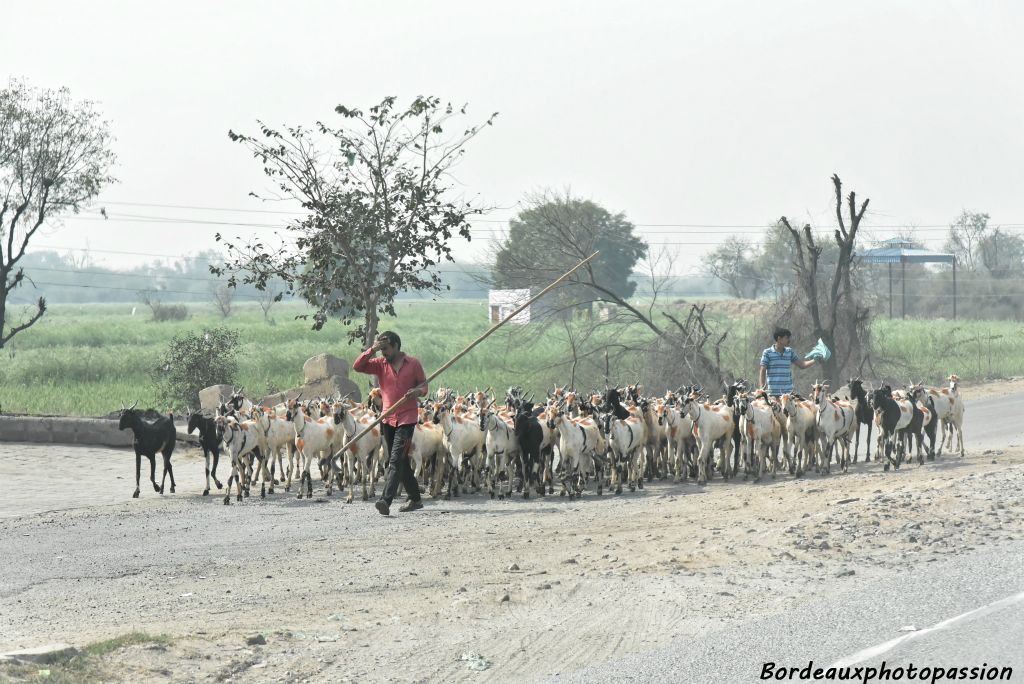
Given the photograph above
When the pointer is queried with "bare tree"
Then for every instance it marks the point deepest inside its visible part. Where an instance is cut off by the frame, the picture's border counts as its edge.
(837, 317)
(223, 298)
(54, 157)
(269, 296)
(734, 262)
(646, 340)
(965, 235)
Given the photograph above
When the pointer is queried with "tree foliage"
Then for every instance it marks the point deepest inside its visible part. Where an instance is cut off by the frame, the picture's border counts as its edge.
(55, 157)
(195, 361)
(380, 208)
(553, 234)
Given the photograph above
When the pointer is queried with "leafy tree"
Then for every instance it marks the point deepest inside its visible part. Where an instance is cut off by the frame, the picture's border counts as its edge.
(195, 361)
(54, 157)
(554, 233)
(381, 208)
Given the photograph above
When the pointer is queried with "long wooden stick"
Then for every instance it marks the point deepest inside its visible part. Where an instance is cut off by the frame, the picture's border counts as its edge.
(465, 351)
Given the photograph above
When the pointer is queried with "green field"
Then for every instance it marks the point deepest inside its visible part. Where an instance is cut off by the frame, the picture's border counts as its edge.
(87, 359)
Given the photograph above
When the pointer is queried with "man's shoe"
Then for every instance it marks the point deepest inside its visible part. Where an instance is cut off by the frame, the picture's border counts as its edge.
(411, 506)
(383, 508)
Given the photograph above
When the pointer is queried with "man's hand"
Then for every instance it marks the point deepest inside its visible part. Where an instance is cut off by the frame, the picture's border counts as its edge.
(376, 347)
(414, 393)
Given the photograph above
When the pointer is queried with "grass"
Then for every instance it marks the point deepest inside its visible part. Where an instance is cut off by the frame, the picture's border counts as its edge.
(87, 666)
(87, 359)
(974, 350)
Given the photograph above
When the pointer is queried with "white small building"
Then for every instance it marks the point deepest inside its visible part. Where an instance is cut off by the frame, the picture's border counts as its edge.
(500, 303)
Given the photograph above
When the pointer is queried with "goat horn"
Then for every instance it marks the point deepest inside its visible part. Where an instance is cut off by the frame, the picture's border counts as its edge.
(134, 405)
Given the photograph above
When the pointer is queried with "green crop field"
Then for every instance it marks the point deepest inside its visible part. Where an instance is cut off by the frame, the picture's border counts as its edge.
(87, 359)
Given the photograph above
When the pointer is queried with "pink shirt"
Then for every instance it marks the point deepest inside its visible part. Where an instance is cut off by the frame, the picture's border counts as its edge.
(393, 386)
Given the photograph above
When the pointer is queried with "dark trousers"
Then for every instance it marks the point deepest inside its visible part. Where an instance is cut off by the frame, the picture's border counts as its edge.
(399, 442)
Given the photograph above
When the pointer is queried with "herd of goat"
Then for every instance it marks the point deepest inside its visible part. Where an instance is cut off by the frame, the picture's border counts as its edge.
(616, 438)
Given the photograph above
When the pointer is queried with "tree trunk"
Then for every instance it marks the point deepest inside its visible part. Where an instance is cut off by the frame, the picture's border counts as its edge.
(370, 323)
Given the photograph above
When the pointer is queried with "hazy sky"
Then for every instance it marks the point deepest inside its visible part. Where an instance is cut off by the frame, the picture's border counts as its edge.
(707, 114)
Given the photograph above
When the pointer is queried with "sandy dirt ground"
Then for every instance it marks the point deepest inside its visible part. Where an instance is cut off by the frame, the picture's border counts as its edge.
(467, 590)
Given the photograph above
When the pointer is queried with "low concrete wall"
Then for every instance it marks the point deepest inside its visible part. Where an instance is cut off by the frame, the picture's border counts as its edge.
(81, 431)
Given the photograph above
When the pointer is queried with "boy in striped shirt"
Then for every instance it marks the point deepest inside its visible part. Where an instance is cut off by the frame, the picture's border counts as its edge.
(776, 373)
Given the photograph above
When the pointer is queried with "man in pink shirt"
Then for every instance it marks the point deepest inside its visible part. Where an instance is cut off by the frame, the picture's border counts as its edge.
(398, 375)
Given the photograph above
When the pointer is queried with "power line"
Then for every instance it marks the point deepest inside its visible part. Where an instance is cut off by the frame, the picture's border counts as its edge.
(691, 228)
(439, 295)
(129, 289)
(758, 228)
(128, 274)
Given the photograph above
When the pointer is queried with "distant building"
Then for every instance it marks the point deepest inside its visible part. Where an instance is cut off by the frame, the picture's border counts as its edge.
(500, 303)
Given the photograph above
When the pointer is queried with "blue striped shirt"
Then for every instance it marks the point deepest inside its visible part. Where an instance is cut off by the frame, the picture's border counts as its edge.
(780, 373)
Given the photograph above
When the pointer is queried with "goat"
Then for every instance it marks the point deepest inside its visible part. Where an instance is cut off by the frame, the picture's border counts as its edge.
(242, 441)
(681, 444)
(151, 436)
(502, 450)
(712, 424)
(835, 421)
(627, 436)
(891, 416)
(209, 440)
(427, 447)
(361, 455)
(864, 416)
(756, 422)
(955, 420)
(530, 435)
(802, 432)
(580, 451)
(461, 438)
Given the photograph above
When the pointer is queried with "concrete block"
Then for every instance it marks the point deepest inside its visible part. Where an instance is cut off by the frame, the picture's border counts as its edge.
(42, 655)
(211, 397)
(324, 366)
(326, 387)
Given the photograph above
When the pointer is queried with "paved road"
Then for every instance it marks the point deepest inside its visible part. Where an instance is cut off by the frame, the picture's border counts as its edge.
(994, 422)
(834, 627)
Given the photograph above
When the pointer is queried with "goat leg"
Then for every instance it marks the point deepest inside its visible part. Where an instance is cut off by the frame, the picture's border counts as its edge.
(138, 469)
(152, 473)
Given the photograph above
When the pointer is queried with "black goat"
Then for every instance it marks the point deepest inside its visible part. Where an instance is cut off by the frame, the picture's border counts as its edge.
(210, 437)
(864, 415)
(530, 435)
(922, 425)
(737, 436)
(892, 420)
(151, 436)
